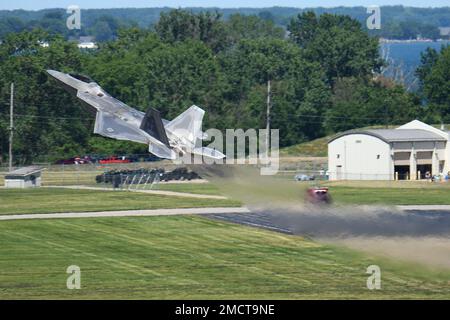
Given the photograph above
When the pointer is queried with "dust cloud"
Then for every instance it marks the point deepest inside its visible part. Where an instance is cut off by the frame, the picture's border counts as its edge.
(419, 237)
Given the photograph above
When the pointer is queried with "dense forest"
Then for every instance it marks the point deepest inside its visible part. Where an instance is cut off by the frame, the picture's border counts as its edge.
(398, 22)
(325, 78)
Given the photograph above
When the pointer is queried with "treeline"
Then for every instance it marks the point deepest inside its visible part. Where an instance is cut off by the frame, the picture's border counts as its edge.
(102, 28)
(398, 22)
(325, 78)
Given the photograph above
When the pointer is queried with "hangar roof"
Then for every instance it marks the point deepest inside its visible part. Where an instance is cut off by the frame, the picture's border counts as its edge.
(395, 135)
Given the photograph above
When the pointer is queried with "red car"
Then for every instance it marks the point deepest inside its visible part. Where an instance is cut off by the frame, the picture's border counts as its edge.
(75, 160)
(318, 195)
(114, 159)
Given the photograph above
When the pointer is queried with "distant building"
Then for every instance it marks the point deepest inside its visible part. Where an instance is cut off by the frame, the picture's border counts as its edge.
(44, 44)
(87, 45)
(23, 178)
(405, 153)
(84, 42)
(444, 31)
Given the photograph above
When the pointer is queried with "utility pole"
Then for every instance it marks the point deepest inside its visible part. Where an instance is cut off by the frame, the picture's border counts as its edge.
(269, 106)
(11, 127)
(386, 116)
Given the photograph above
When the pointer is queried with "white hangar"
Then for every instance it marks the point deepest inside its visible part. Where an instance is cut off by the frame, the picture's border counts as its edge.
(405, 153)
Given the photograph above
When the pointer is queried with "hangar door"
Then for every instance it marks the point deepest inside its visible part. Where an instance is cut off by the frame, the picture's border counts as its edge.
(424, 163)
(401, 165)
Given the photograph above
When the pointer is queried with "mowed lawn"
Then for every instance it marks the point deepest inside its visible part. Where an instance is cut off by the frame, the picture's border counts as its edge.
(197, 188)
(390, 196)
(188, 257)
(53, 200)
(358, 193)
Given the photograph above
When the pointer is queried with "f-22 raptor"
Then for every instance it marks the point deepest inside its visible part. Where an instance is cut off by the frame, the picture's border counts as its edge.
(114, 119)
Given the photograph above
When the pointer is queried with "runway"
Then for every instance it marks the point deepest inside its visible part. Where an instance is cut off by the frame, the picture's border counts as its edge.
(417, 235)
(342, 222)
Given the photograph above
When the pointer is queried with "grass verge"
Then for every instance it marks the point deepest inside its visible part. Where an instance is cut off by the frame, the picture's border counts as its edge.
(188, 257)
(390, 196)
(54, 200)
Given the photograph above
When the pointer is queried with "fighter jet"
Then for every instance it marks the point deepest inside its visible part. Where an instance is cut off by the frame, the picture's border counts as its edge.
(114, 119)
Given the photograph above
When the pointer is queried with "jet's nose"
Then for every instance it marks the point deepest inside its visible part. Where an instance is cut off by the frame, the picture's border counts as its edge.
(52, 72)
(57, 75)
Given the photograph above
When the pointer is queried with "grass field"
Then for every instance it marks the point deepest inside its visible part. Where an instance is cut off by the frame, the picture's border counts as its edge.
(198, 188)
(186, 257)
(355, 192)
(43, 200)
(64, 178)
(314, 148)
(390, 196)
(52, 200)
(389, 192)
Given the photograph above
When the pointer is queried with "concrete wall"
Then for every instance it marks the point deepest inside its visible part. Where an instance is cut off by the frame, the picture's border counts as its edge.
(361, 157)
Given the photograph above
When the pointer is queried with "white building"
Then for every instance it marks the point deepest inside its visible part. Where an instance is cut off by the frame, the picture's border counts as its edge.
(444, 31)
(405, 153)
(87, 45)
(26, 177)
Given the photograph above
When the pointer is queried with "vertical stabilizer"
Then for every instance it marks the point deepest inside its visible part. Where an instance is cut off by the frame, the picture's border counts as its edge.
(187, 125)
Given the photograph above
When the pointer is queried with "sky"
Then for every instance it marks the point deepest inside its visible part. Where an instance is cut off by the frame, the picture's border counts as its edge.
(88, 4)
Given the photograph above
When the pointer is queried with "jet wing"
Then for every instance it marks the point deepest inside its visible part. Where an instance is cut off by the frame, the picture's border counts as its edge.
(110, 126)
(208, 152)
(107, 103)
(117, 120)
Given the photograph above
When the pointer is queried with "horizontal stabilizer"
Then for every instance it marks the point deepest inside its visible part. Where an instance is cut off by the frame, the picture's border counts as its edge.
(162, 151)
(208, 152)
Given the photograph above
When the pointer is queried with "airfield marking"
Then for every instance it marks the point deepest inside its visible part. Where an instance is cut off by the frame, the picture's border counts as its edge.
(127, 213)
(156, 192)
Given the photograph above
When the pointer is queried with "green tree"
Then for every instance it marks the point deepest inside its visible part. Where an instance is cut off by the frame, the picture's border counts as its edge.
(359, 103)
(239, 27)
(298, 88)
(434, 76)
(45, 118)
(338, 43)
(180, 25)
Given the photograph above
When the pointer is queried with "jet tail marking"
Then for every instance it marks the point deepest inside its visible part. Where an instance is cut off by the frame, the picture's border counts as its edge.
(153, 125)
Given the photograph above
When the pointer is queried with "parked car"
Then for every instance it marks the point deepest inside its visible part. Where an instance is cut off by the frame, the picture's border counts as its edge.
(150, 158)
(75, 160)
(114, 159)
(304, 177)
(132, 158)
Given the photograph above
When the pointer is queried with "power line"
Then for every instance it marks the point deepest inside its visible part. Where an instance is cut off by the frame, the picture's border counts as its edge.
(302, 116)
(51, 117)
